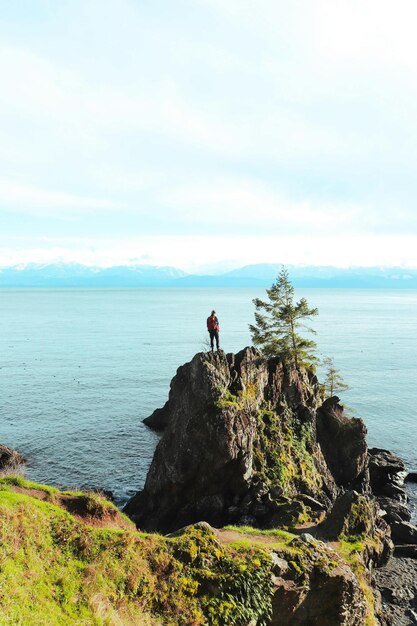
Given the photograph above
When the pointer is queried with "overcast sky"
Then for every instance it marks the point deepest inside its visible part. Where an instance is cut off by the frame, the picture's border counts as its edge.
(208, 133)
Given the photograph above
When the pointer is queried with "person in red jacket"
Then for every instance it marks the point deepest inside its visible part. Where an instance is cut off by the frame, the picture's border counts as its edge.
(213, 328)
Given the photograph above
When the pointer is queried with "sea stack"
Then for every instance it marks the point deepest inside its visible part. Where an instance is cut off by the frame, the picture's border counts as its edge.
(249, 440)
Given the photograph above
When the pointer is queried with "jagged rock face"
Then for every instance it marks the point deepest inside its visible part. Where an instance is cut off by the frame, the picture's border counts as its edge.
(195, 386)
(324, 591)
(387, 473)
(404, 533)
(343, 442)
(239, 446)
(203, 447)
(332, 597)
(356, 515)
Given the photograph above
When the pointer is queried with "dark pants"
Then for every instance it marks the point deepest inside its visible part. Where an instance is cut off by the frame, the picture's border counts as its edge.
(214, 335)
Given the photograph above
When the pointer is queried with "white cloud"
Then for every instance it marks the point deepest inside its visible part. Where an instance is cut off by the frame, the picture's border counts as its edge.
(245, 117)
(193, 253)
(37, 88)
(363, 34)
(239, 203)
(32, 200)
(75, 110)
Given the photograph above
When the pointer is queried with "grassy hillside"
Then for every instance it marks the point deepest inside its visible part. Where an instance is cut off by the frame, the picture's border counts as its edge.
(73, 558)
(57, 569)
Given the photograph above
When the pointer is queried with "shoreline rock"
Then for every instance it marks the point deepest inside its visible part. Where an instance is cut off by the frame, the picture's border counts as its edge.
(10, 459)
(397, 585)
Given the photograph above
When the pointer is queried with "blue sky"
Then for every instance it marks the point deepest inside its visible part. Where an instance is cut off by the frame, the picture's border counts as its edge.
(208, 134)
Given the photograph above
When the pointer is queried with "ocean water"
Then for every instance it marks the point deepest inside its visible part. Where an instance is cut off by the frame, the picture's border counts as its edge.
(80, 369)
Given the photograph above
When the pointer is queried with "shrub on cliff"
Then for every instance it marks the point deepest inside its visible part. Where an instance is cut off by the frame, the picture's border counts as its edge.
(333, 383)
(277, 323)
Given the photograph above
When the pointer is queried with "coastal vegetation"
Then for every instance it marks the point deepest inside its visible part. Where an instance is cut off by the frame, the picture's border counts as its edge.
(333, 382)
(278, 322)
(283, 452)
(57, 569)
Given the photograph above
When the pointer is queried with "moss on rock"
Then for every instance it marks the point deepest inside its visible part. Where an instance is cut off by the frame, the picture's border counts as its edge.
(282, 452)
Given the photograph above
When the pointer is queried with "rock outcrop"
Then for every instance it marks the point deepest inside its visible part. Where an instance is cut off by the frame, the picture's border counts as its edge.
(311, 583)
(332, 596)
(356, 515)
(343, 442)
(318, 589)
(387, 473)
(10, 459)
(248, 440)
(252, 441)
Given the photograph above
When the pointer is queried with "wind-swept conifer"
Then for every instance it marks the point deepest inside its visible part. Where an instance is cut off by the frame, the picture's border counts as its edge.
(333, 383)
(279, 320)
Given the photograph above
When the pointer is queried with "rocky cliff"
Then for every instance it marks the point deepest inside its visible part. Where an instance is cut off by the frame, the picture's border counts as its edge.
(253, 442)
(249, 441)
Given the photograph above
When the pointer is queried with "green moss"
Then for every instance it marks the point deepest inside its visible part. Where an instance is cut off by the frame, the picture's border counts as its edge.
(13, 500)
(359, 531)
(282, 449)
(55, 570)
(357, 541)
(295, 566)
(282, 452)
(91, 503)
(283, 535)
(352, 552)
(360, 517)
(244, 400)
(227, 400)
(303, 559)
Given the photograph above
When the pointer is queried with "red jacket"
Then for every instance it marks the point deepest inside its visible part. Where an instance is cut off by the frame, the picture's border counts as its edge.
(212, 323)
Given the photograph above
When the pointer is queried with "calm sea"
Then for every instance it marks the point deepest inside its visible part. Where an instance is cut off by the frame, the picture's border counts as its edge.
(80, 369)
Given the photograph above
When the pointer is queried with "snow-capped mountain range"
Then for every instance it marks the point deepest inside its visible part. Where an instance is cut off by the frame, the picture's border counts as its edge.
(257, 275)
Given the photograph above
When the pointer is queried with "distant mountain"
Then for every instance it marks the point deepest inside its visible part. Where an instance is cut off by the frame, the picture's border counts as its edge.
(260, 275)
(325, 276)
(74, 275)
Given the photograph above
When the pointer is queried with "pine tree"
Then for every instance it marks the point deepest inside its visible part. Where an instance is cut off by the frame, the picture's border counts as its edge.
(333, 383)
(278, 321)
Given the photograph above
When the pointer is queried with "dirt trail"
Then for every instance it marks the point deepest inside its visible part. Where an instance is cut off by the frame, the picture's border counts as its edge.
(229, 536)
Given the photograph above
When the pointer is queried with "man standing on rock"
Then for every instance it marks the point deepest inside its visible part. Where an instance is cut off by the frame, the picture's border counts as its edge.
(213, 328)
